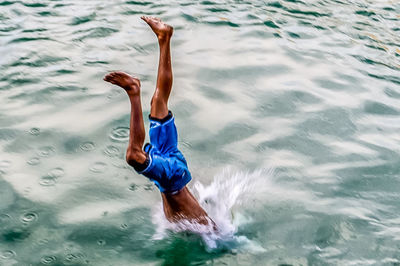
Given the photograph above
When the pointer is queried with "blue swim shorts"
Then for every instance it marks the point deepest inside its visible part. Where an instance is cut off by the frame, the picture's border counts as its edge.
(166, 166)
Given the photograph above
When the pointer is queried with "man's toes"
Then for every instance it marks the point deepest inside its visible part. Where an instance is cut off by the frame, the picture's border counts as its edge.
(151, 20)
(146, 19)
(109, 76)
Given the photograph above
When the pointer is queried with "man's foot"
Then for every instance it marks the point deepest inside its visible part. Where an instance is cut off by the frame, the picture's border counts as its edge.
(162, 30)
(125, 81)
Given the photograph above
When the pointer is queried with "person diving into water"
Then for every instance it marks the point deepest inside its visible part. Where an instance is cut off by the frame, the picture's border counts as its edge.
(160, 160)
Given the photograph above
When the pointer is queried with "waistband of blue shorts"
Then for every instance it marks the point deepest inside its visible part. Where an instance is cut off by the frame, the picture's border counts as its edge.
(162, 120)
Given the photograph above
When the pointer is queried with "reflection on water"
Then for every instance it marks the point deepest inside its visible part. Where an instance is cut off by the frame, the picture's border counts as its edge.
(308, 88)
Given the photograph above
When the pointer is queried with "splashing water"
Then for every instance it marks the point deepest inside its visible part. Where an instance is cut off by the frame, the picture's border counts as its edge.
(222, 200)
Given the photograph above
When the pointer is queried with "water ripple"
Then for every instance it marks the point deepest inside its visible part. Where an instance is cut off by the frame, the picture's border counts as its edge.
(120, 134)
(29, 217)
(8, 254)
(111, 151)
(98, 167)
(46, 151)
(87, 146)
(48, 260)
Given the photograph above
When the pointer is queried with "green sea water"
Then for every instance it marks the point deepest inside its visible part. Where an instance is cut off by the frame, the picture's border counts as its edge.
(299, 100)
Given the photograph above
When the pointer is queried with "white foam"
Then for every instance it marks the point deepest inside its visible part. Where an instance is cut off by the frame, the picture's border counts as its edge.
(221, 199)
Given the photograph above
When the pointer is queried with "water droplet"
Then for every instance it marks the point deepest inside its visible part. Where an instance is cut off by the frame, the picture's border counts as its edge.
(47, 181)
(98, 167)
(34, 131)
(47, 260)
(120, 134)
(46, 151)
(74, 258)
(34, 161)
(51, 178)
(148, 187)
(111, 151)
(133, 187)
(87, 146)
(70, 257)
(8, 254)
(29, 217)
(56, 172)
(101, 242)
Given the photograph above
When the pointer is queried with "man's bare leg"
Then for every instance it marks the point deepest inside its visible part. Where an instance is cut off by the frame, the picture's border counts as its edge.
(159, 102)
(181, 205)
(134, 154)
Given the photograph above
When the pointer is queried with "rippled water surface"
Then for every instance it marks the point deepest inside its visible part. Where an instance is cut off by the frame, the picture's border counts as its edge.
(309, 88)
